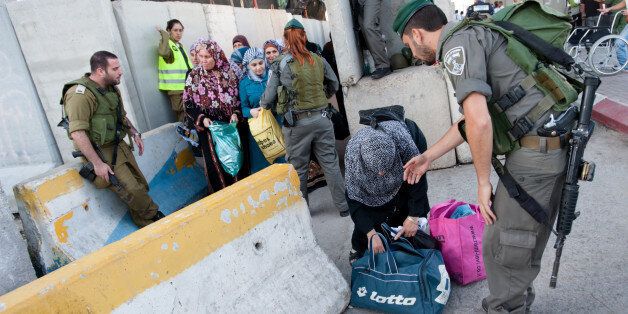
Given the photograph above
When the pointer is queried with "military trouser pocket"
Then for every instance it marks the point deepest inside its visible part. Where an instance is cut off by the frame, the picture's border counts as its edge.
(100, 183)
(515, 248)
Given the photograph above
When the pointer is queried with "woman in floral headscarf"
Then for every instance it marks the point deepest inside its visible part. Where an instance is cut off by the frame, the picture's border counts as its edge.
(252, 87)
(211, 94)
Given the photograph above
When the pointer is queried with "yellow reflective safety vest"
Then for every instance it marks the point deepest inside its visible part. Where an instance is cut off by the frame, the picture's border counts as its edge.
(172, 75)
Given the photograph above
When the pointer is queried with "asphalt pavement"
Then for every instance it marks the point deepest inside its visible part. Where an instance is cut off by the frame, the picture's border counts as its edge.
(593, 276)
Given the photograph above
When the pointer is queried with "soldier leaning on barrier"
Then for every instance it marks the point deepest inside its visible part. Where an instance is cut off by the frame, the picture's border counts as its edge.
(93, 108)
(483, 74)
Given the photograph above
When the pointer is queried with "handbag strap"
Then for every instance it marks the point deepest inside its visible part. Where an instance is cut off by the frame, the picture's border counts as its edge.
(439, 210)
(390, 259)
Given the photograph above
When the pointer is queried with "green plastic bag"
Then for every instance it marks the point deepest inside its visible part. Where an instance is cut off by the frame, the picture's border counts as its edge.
(227, 145)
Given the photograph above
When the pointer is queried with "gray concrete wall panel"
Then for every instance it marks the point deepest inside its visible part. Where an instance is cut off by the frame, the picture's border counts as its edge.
(345, 45)
(422, 91)
(25, 137)
(192, 16)
(221, 25)
(279, 19)
(57, 39)
(15, 264)
(256, 25)
(137, 21)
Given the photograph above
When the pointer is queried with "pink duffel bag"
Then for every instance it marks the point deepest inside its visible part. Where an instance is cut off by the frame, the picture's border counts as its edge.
(460, 241)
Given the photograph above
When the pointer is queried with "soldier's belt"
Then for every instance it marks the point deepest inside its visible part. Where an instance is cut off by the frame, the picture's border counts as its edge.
(540, 143)
(309, 113)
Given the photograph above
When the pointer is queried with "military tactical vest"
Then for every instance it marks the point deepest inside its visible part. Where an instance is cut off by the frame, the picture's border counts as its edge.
(547, 31)
(172, 75)
(103, 123)
(307, 91)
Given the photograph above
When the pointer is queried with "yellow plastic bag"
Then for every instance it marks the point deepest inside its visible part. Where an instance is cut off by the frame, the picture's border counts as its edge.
(267, 134)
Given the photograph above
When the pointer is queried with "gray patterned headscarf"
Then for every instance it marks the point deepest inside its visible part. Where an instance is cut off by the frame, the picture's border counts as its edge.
(250, 55)
(374, 162)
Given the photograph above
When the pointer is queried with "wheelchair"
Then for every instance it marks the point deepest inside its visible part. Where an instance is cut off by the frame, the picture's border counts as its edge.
(595, 48)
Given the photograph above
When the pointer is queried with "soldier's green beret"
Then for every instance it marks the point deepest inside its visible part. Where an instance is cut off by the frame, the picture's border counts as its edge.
(406, 12)
(295, 24)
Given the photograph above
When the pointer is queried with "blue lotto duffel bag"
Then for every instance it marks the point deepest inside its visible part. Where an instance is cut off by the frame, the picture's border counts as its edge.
(402, 279)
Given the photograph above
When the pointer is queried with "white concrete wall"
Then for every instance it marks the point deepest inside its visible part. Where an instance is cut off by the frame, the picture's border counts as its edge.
(27, 146)
(57, 39)
(221, 24)
(255, 24)
(15, 265)
(192, 15)
(422, 91)
(137, 21)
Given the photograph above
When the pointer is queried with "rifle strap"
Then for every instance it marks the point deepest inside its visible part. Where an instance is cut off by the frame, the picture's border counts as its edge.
(116, 140)
(527, 202)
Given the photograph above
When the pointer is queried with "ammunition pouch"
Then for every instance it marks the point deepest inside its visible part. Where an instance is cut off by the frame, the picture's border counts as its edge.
(282, 100)
(559, 94)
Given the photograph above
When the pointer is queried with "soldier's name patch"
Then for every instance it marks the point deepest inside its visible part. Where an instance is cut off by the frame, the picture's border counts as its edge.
(455, 60)
(80, 89)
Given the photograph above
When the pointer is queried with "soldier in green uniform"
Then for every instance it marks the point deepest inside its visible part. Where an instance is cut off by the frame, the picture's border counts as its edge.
(95, 113)
(475, 59)
(300, 82)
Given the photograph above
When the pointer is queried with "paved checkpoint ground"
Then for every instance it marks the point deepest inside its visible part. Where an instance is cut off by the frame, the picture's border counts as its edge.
(593, 272)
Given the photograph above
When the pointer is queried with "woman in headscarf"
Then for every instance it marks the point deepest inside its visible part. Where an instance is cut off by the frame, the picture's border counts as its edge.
(211, 94)
(236, 61)
(376, 192)
(252, 87)
(272, 50)
(240, 41)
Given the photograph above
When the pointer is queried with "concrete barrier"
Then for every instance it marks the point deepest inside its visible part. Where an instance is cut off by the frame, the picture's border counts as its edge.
(254, 253)
(15, 265)
(28, 147)
(137, 21)
(57, 39)
(255, 24)
(221, 25)
(66, 217)
(279, 19)
(192, 16)
(422, 91)
(345, 45)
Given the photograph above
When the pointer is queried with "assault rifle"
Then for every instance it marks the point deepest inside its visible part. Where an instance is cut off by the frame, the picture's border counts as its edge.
(87, 170)
(577, 169)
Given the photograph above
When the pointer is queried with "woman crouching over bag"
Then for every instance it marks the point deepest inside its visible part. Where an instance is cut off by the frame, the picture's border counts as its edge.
(211, 99)
(301, 82)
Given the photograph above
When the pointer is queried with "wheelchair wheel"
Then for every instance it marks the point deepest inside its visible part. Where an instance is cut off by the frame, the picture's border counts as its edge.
(603, 55)
(580, 55)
